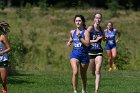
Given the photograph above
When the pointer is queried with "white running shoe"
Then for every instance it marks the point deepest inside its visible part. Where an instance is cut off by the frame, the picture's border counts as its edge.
(75, 91)
(83, 91)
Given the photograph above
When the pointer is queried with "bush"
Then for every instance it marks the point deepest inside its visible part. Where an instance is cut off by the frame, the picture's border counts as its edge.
(18, 52)
(113, 6)
(123, 57)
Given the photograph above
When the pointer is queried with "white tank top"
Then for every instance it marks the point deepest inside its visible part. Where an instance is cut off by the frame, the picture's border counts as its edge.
(3, 57)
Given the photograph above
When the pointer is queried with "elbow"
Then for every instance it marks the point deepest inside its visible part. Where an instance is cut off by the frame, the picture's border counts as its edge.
(10, 49)
(87, 45)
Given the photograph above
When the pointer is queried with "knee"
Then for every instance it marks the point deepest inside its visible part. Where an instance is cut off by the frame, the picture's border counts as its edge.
(110, 58)
(114, 57)
(75, 73)
(97, 72)
(4, 82)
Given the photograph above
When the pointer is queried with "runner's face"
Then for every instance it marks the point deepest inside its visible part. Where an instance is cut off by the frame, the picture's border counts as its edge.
(78, 22)
(97, 19)
(109, 26)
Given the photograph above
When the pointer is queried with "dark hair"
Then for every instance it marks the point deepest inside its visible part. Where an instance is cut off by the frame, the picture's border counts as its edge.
(110, 22)
(82, 18)
(4, 27)
(97, 13)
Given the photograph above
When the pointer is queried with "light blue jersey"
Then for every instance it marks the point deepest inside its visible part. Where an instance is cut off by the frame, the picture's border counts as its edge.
(110, 43)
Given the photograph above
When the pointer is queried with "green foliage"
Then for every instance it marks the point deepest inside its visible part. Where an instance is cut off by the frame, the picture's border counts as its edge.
(2, 5)
(41, 44)
(113, 7)
(129, 4)
(122, 59)
(49, 55)
(43, 5)
(123, 56)
(17, 55)
(25, 12)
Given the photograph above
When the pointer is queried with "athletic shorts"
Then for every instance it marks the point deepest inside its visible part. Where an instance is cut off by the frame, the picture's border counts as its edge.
(109, 46)
(92, 56)
(4, 64)
(82, 57)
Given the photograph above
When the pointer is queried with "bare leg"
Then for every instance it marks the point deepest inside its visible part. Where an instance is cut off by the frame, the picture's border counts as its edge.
(83, 70)
(92, 66)
(74, 65)
(109, 53)
(114, 53)
(4, 78)
(98, 62)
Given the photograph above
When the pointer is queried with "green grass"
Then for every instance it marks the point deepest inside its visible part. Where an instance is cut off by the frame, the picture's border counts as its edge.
(114, 82)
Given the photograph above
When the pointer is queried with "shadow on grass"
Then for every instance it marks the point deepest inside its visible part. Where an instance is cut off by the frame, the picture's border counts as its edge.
(18, 78)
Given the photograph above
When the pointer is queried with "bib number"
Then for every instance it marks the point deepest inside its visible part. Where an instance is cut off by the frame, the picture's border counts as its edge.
(111, 42)
(95, 46)
(77, 45)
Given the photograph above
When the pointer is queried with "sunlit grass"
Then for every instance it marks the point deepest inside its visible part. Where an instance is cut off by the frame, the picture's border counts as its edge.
(57, 82)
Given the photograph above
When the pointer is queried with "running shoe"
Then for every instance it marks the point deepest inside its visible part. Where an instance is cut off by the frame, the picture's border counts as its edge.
(114, 66)
(110, 69)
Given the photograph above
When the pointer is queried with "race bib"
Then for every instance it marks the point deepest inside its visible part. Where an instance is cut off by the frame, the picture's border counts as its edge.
(110, 42)
(77, 45)
(95, 46)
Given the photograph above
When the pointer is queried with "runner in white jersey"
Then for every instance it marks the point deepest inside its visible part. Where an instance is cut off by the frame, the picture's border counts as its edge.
(4, 49)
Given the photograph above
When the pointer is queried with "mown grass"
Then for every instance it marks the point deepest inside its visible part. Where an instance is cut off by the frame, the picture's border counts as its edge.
(114, 82)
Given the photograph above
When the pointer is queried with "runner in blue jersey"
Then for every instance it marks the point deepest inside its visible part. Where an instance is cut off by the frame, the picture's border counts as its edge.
(79, 54)
(95, 49)
(111, 50)
(4, 49)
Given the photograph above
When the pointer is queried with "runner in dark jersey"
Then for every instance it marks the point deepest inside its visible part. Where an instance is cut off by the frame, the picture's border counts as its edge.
(95, 49)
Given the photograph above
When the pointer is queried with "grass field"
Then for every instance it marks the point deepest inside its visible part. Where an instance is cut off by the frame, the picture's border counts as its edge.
(44, 34)
(114, 82)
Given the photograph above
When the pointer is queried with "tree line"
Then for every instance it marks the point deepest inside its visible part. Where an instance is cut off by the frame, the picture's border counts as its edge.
(125, 4)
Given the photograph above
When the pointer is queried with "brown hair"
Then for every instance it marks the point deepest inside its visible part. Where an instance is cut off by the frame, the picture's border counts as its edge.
(110, 22)
(4, 27)
(97, 13)
(82, 18)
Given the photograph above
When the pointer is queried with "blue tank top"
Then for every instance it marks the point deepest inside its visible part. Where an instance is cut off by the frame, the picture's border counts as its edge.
(77, 43)
(93, 35)
(111, 34)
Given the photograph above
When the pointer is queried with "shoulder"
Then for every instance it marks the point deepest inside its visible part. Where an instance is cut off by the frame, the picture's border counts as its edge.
(105, 30)
(89, 28)
(115, 30)
(3, 37)
(86, 33)
(71, 32)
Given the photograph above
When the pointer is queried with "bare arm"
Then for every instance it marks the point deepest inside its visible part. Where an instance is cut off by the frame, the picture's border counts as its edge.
(105, 36)
(6, 43)
(85, 41)
(118, 35)
(95, 40)
(70, 39)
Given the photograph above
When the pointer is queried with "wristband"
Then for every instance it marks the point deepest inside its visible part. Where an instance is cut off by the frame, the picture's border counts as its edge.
(80, 36)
